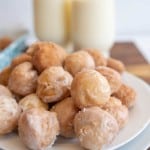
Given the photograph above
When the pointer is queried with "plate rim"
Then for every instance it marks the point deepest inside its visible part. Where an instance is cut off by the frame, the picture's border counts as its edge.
(141, 81)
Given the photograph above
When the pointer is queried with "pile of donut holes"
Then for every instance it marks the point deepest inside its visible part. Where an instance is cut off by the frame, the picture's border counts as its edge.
(46, 92)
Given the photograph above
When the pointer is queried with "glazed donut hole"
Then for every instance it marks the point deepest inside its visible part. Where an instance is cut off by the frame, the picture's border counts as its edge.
(99, 59)
(5, 91)
(48, 54)
(38, 128)
(116, 65)
(127, 95)
(23, 79)
(90, 88)
(78, 61)
(112, 76)
(119, 111)
(66, 111)
(54, 84)
(33, 48)
(4, 75)
(9, 114)
(95, 128)
(20, 59)
(32, 101)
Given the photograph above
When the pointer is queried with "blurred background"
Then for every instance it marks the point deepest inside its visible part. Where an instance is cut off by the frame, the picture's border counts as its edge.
(132, 37)
(132, 16)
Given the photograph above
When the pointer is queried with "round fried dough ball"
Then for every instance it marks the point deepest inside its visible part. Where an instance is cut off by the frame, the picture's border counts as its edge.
(20, 59)
(99, 59)
(119, 111)
(116, 65)
(77, 61)
(9, 114)
(95, 127)
(127, 95)
(66, 111)
(5, 91)
(23, 79)
(112, 76)
(33, 48)
(48, 54)
(32, 101)
(54, 84)
(38, 128)
(4, 75)
(90, 88)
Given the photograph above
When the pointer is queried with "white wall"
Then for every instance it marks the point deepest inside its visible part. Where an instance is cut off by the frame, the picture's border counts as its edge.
(133, 16)
(15, 14)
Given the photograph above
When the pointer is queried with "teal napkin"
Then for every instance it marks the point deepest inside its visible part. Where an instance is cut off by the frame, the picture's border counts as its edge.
(16, 48)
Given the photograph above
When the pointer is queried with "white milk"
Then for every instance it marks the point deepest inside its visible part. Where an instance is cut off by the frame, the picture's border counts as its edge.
(50, 22)
(68, 4)
(93, 24)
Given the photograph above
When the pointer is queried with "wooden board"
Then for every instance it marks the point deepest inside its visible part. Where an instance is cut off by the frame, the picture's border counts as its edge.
(136, 64)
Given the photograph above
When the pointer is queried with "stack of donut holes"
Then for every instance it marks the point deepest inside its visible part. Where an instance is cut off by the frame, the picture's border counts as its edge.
(46, 93)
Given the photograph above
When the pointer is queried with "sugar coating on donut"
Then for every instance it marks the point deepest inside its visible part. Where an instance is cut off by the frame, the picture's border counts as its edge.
(119, 111)
(32, 101)
(20, 59)
(99, 59)
(54, 84)
(9, 114)
(5, 91)
(127, 95)
(112, 76)
(78, 61)
(48, 54)
(95, 127)
(66, 111)
(23, 79)
(116, 65)
(38, 128)
(90, 88)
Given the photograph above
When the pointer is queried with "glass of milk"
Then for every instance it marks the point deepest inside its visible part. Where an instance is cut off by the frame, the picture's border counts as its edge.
(93, 24)
(50, 20)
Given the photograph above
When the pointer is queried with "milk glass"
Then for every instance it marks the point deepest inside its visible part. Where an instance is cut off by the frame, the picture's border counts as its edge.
(50, 21)
(93, 24)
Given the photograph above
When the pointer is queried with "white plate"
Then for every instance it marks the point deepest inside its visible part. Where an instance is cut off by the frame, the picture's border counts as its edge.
(138, 120)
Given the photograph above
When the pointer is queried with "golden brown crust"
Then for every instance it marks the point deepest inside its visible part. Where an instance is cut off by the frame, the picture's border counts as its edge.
(99, 59)
(112, 76)
(20, 59)
(127, 95)
(33, 48)
(32, 101)
(9, 114)
(78, 61)
(54, 84)
(4, 75)
(66, 111)
(48, 54)
(23, 79)
(116, 65)
(90, 88)
(119, 111)
(95, 127)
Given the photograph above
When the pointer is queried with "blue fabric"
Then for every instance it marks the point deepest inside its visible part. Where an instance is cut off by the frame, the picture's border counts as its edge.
(12, 51)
